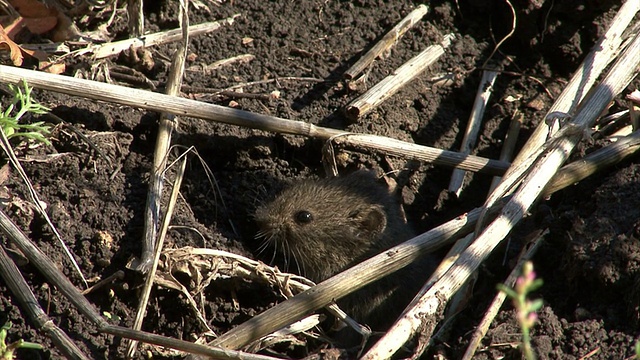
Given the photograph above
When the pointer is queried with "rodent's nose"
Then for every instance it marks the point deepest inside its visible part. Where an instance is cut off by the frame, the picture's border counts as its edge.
(268, 224)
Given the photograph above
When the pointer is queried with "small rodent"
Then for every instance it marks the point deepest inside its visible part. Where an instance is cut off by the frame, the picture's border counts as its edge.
(323, 227)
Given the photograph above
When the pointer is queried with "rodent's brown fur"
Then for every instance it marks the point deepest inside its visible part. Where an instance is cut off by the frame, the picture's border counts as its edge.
(352, 218)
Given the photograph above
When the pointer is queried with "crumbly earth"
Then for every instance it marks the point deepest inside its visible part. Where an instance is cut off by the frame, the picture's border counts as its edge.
(589, 262)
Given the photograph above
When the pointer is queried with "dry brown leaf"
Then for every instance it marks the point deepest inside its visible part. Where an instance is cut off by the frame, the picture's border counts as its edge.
(43, 16)
(35, 25)
(52, 68)
(33, 8)
(16, 52)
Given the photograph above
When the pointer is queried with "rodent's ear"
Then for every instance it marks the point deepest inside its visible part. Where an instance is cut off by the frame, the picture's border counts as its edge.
(371, 220)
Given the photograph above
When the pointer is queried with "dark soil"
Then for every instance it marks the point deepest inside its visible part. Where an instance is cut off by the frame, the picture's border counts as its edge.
(590, 262)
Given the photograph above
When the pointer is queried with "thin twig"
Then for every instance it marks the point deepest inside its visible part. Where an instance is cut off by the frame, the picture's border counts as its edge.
(607, 124)
(514, 19)
(214, 185)
(168, 123)
(634, 115)
(509, 145)
(394, 82)
(216, 93)
(130, 76)
(136, 17)
(151, 243)
(276, 80)
(191, 108)
(594, 162)
(527, 253)
(146, 290)
(244, 58)
(28, 303)
(485, 88)
(114, 48)
(37, 203)
(58, 120)
(387, 41)
(118, 275)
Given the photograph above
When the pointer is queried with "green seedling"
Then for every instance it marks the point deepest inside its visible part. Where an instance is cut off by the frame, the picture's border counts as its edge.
(113, 317)
(7, 351)
(526, 309)
(21, 105)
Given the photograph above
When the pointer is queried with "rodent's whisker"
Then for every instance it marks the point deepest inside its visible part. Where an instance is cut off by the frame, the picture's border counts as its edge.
(291, 254)
(295, 258)
(273, 257)
(261, 249)
(262, 234)
(286, 249)
(264, 245)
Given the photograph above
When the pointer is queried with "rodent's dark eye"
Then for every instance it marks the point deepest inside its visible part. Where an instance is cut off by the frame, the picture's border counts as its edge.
(303, 217)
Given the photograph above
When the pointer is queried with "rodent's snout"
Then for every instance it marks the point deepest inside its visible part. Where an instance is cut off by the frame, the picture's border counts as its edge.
(264, 222)
(270, 223)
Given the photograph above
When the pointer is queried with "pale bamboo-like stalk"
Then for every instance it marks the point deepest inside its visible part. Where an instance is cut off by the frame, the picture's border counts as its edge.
(634, 108)
(244, 58)
(192, 108)
(578, 87)
(364, 142)
(449, 259)
(113, 48)
(595, 161)
(387, 41)
(485, 88)
(428, 312)
(634, 115)
(20, 290)
(136, 17)
(622, 132)
(146, 290)
(152, 243)
(168, 122)
(508, 146)
(394, 82)
(493, 309)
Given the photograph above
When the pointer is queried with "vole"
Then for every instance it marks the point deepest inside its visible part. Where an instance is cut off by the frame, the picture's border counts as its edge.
(323, 227)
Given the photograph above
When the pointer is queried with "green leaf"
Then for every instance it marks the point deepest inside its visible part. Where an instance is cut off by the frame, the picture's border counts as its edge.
(507, 290)
(535, 285)
(536, 305)
(10, 120)
(30, 345)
